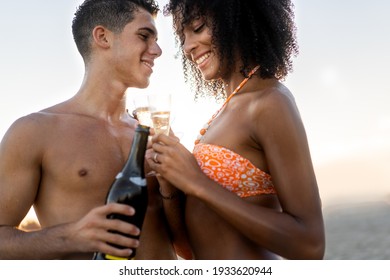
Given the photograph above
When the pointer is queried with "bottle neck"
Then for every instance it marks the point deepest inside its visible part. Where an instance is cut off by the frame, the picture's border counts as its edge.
(134, 166)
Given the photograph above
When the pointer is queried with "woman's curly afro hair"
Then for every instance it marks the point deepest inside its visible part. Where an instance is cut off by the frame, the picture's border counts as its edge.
(262, 32)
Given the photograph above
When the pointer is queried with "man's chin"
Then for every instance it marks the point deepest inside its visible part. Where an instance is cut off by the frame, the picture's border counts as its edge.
(142, 85)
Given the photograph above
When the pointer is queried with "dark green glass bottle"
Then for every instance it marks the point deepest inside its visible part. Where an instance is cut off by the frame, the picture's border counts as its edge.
(129, 187)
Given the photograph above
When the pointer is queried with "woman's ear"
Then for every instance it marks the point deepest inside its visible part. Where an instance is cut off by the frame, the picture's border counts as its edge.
(101, 36)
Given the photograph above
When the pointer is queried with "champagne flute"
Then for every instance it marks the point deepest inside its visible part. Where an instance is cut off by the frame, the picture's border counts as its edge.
(141, 111)
(142, 114)
(160, 111)
(153, 110)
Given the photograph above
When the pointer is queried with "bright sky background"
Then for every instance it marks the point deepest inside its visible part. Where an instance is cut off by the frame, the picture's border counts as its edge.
(340, 79)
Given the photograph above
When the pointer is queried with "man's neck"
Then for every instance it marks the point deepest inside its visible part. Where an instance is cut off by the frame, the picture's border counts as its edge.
(101, 99)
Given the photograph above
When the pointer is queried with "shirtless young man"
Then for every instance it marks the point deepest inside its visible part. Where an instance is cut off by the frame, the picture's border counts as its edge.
(63, 159)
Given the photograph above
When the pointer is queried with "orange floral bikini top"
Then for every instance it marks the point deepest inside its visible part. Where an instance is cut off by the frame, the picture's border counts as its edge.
(234, 172)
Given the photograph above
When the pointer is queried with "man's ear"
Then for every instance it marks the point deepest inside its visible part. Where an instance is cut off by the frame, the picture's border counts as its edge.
(102, 36)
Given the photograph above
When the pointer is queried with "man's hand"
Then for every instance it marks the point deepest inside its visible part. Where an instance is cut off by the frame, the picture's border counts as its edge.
(93, 232)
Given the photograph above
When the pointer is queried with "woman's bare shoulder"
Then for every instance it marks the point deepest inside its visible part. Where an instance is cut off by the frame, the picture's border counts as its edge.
(273, 101)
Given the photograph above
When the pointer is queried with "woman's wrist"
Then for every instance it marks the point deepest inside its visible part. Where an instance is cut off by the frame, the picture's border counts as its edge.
(169, 195)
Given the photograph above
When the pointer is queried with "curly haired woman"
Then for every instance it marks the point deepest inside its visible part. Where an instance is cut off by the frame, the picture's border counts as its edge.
(248, 190)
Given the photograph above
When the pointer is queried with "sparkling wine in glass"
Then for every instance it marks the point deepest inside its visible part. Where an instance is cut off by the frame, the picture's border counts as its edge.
(160, 111)
(160, 121)
(142, 111)
(143, 116)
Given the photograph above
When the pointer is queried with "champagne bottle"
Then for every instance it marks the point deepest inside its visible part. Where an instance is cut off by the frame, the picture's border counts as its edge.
(129, 187)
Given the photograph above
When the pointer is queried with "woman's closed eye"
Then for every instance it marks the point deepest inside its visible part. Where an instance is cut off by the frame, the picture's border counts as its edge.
(199, 27)
(196, 28)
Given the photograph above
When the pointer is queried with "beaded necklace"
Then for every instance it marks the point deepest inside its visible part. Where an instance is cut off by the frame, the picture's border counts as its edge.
(207, 125)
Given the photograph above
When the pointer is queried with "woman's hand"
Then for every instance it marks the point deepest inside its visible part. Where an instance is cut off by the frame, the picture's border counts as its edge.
(172, 161)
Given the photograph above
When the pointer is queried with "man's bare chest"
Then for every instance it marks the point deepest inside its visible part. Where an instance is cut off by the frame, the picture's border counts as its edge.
(89, 155)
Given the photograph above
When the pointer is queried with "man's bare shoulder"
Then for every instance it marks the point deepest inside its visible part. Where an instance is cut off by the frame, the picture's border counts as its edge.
(41, 117)
(51, 117)
(28, 124)
(35, 125)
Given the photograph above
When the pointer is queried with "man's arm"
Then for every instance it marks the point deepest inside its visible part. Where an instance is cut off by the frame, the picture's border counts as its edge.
(20, 175)
(87, 235)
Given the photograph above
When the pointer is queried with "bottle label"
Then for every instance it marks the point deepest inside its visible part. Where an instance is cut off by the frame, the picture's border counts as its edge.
(110, 257)
(138, 181)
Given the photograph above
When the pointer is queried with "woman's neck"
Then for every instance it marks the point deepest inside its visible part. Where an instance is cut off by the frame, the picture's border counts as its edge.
(237, 82)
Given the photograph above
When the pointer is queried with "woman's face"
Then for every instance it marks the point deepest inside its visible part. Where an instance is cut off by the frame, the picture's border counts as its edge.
(196, 40)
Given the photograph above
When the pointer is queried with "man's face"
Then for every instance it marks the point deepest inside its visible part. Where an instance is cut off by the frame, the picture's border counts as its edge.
(135, 49)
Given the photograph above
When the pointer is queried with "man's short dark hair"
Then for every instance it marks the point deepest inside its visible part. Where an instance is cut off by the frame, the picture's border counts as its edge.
(112, 14)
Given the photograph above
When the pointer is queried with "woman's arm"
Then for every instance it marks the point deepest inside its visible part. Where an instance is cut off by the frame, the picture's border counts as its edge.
(173, 200)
